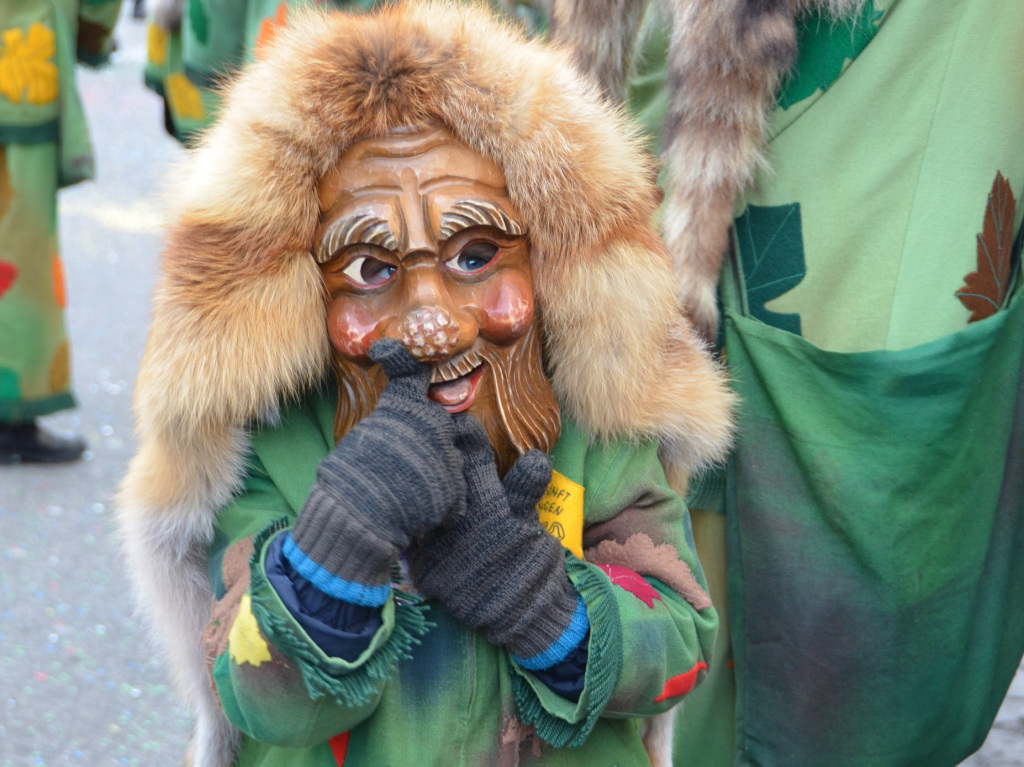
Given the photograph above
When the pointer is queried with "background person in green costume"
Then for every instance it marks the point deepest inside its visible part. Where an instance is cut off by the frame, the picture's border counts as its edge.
(866, 535)
(44, 146)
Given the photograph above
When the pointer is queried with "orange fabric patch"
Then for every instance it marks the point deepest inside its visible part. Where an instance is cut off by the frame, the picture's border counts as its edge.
(58, 281)
(269, 29)
(682, 684)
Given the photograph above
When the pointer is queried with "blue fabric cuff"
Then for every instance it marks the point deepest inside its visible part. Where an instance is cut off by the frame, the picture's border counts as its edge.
(565, 644)
(331, 584)
(341, 629)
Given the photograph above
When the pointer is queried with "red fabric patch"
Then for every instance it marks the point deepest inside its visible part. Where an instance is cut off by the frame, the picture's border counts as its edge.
(682, 684)
(8, 273)
(633, 582)
(339, 747)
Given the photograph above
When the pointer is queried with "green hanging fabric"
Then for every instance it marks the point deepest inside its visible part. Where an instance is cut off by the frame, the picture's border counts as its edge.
(903, 565)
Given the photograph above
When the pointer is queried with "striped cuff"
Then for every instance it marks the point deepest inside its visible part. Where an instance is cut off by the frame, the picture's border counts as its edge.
(565, 644)
(330, 584)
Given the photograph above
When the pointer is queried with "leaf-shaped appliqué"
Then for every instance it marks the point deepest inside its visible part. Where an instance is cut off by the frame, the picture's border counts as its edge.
(984, 290)
(198, 21)
(28, 73)
(824, 46)
(269, 28)
(8, 274)
(771, 246)
(633, 582)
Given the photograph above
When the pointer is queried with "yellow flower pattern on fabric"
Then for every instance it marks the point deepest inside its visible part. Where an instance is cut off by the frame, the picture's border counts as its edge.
(184, 98)
(245, 642)
(27, 70)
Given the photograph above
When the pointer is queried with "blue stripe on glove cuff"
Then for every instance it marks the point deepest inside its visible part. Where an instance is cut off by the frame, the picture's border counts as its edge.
(565, 644)
(331, 584)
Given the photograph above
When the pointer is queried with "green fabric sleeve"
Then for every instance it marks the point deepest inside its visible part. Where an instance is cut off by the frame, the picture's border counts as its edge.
(275, 684)
(650, 642)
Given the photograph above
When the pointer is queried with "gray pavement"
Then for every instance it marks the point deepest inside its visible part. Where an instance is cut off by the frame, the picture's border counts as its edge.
(79, 684)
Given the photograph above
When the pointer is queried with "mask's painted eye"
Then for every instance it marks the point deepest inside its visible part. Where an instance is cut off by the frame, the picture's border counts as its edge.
(368, 272)
(473, 258)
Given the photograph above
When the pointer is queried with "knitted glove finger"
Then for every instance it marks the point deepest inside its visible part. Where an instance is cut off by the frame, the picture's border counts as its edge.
(526, 483)
(407, 377)
(472, 441)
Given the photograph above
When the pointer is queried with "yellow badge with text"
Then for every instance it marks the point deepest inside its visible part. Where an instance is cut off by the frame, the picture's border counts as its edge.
(561, 512)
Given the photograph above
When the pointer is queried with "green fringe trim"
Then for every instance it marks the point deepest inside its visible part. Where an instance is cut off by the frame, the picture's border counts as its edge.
(604, 662)
(350, 689)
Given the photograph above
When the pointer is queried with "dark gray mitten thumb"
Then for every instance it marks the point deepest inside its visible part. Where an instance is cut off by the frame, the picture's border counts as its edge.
(526, 483)
(408, 379)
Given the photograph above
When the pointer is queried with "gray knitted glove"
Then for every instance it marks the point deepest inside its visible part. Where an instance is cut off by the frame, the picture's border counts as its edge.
(396, 474)
(495, 568)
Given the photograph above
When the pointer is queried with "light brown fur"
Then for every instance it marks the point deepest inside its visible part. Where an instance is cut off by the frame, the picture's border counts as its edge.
(238, 317)
(725, 61)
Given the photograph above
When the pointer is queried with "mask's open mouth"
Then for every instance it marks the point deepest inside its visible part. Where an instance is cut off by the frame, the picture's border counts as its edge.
(454, 383)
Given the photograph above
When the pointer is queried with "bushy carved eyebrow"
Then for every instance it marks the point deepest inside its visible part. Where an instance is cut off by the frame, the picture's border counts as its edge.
(365, 228)
(467, 213)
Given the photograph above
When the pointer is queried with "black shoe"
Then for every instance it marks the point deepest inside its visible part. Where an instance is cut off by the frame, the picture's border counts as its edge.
(139, 9)
(25, 442)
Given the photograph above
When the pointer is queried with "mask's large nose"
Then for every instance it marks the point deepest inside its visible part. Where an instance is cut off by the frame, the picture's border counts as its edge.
(429, 333)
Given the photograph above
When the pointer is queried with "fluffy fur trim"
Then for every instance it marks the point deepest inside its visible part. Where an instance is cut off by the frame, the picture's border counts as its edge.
(238, 316)
(725, 61)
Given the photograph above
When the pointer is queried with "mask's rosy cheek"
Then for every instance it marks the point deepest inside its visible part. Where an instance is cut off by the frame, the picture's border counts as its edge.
(352, 330)
(506, 309)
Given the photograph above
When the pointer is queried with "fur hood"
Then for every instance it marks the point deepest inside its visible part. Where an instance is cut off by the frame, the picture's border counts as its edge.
(239, 311)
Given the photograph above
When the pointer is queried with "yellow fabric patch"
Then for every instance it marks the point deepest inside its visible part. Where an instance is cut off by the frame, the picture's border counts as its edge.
(245, 643)
(561, 512)
(183, 97)
(60, 369)
(27, 72)
(156, 45)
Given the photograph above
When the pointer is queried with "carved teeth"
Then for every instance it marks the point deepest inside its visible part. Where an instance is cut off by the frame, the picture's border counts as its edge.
(456, 368)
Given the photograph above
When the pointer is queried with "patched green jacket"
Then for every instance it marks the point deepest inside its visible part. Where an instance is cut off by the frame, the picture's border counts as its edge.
(428, 691)
(40, 43)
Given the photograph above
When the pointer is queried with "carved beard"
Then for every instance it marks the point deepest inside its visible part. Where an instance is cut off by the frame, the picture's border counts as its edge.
(519, 414)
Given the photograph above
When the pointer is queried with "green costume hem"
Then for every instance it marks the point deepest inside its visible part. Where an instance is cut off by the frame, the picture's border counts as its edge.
(604, 663)
(44, 133)
(351, 688)
(18, 410)
(90, 59)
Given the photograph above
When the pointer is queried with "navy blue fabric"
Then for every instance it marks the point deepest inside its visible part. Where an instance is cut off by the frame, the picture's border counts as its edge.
(344, 630)
(341, 629)
(566, 678)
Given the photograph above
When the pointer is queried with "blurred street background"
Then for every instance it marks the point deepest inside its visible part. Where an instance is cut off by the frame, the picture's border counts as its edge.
(79, 681)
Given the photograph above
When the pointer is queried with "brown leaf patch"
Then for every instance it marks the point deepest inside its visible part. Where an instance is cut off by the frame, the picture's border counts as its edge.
(236, 574)
(984, 290)
(640, 554)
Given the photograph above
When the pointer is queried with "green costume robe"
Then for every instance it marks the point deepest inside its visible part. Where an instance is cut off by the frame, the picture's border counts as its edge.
(44, 146)
(874, 505)
(429, 692)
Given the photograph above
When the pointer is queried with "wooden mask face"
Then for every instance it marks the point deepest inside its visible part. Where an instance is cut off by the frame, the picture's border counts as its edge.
(418, 241)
